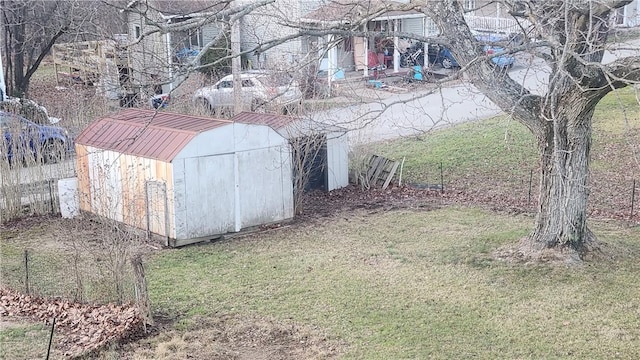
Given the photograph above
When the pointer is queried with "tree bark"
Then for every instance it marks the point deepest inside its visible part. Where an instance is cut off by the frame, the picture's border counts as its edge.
(561, 220)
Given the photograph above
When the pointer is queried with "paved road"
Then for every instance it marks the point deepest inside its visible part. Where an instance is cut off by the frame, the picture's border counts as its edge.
(411, 114)
(418, 112)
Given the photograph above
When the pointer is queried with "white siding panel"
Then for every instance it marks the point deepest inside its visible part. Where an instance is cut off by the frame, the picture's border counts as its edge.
(209, 195)
(209, 32)
(231, 138)
(413, 26)
(337, 161)
(265, 185)
(179, 200)
(106, 184)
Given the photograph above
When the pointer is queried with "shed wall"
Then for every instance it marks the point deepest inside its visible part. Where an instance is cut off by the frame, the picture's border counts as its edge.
(204, 195)
(337, 161)
(265, 186)
(130, 189)
(230, 178)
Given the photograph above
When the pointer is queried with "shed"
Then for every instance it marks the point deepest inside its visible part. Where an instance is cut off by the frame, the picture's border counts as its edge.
(326, 147)
(184, 178)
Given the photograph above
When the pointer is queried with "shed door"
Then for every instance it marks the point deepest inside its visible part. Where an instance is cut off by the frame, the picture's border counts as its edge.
(156, 201)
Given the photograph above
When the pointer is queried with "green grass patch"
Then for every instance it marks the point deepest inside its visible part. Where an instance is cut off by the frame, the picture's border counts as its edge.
(23, 341)
(413, 285)
(498, 145)
(617, 114)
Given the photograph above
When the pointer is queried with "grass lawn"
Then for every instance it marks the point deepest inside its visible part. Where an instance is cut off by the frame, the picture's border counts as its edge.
(406, 284)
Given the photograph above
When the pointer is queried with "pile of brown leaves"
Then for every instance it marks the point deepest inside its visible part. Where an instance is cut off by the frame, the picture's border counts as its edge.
(80, 328)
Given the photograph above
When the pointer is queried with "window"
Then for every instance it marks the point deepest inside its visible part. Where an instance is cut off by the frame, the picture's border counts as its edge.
(138, 32)
(225, 85)
(195, 39)
(247, 83)
(469, 4)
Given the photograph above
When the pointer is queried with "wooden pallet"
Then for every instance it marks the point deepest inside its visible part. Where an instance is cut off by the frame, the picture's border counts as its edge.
(381, 171)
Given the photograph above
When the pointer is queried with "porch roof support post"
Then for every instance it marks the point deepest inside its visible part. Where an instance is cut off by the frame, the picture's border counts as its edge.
(332, 61)
(396, 51)
(169, 60)
(425, 60)
(365, 73)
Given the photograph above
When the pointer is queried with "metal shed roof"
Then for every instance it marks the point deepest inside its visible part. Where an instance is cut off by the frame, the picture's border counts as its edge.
(287, 126)
(146, 133)
(273, 121)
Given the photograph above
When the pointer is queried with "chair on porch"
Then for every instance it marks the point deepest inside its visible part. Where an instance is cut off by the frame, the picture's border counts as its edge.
(375, 66)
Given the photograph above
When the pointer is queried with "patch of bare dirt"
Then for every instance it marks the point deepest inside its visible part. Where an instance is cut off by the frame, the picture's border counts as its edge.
(236, 337)
(526, 252)
(325, 204)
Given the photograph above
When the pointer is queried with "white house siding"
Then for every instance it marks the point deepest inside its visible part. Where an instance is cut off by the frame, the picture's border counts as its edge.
(149, 55)
(209, 32)
(631, 14)
(413, 26)
(337, 161)
(268, 23)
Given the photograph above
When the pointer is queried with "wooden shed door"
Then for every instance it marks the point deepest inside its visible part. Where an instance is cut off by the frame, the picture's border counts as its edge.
(157, 214)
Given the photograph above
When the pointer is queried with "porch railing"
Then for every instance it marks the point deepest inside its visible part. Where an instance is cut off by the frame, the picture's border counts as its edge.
(496, 24)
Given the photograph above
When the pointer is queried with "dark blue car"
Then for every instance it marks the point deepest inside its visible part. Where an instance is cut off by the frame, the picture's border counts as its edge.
(23, 140)
(441, 55)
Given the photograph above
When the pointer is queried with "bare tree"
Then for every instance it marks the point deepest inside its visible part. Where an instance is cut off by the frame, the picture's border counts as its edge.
(31, 28)
(573, 38)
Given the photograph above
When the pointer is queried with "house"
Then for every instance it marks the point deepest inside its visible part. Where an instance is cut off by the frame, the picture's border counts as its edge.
(353, 53)
(494, 17)
(156, 58)
(182, 178)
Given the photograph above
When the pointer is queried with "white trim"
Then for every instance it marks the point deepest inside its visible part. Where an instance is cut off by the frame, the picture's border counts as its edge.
(398, 17)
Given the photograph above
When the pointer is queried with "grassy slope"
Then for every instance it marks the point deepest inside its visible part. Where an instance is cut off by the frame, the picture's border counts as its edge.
(414, 285)
(494, 159)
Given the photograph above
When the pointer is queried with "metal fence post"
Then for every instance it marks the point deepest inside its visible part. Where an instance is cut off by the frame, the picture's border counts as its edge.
(633, 197)
(53, 326)
(530, 181)
(26, 271)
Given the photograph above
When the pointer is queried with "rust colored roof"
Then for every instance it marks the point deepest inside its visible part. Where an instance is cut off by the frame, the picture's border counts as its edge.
(273, 121)
(146, 133)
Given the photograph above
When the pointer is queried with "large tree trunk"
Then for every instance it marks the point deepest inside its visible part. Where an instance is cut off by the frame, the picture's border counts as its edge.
(561, 221)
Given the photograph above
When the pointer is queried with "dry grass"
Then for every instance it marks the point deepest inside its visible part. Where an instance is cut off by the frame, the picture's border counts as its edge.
(381, 285)
(406, 284)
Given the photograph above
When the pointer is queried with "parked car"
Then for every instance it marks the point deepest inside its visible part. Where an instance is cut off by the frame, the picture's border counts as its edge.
(24, 139)
(442, 56)
(261, 91)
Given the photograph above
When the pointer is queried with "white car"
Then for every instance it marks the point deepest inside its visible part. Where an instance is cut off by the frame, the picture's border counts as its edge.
(261, 91)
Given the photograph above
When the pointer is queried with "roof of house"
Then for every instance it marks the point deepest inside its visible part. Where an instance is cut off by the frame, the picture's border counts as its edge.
(146, 133)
